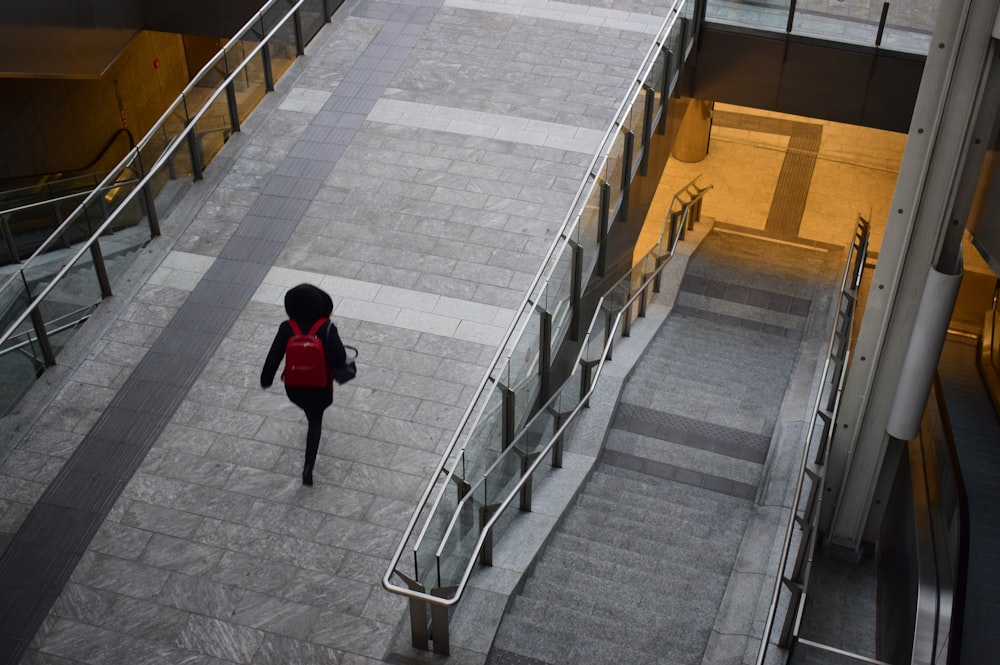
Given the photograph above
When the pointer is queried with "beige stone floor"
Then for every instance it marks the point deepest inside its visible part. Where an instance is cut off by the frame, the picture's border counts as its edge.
(855, 174)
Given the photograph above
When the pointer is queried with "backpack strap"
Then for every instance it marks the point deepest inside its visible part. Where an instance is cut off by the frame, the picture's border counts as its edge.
(312, 331)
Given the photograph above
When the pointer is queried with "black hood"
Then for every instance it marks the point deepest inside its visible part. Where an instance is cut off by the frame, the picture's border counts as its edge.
(306, 303)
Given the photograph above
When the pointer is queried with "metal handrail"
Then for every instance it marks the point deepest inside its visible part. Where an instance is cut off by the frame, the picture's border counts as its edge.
(851, 279)
(29, 340)
(66, 197)
(134, 154)
(502, 357)
(648, 282)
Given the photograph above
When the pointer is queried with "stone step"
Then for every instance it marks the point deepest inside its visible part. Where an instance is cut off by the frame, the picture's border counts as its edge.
(685, 336)
(740, 315)
(571, 577)
(547, 643)
(716, 411)
(705, 462)
(643, 490)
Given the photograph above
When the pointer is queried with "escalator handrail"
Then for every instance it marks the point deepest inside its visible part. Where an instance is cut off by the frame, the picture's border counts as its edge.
(961, 571)
(81, 170)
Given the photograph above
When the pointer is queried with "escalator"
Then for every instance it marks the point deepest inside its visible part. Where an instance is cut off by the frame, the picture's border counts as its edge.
(33, 206)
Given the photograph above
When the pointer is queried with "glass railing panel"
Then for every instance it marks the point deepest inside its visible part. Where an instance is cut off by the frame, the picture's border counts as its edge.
(765, 15)
(593, 345)
(271, 18)
(556, 297)
(19, 370)
(311, 16)
(654, 79)
(837, 23)
(588, 228)
(72, 299)
(425, 555)
(614, 169)
(672, 42)
(485, 440)
(32, 226)
(910, 26)
(282, 45)
(250, 83)
(179, 161)
(523, 367)
(213, 129)
(636, 277)
(454, 554)
(540, 430)
(131, 232)
(636, 123)
(503, 478)
(164, 186)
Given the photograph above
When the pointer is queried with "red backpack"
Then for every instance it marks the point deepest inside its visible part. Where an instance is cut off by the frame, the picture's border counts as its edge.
(305, 358)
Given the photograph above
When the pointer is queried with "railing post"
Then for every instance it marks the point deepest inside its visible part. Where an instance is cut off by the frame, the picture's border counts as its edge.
(439, 622)
(557, 447)
(628, 156)
(233, 106)
(9, 239)
(265, 55)
(609, 337)
(43, 338)
(586, 377)
(576, 292)
(647, 129)
(485, 513)
(544, 354)
(660, 260)
(793, 611)
(603, 215)
(197, 162)
(418, 614)
(668, 60)
(507, 428)
(626, 315)
(526, 461)
(300, 41)
(148, 203)
(102, 271)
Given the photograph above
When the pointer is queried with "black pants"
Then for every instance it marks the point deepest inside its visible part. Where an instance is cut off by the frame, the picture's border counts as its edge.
(315, 419)
(314, 402)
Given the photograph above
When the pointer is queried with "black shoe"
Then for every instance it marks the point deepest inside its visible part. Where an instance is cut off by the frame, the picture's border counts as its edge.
(307, 477)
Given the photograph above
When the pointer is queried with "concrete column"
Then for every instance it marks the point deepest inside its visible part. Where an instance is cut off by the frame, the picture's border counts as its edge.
(691, 144)
(955, 110)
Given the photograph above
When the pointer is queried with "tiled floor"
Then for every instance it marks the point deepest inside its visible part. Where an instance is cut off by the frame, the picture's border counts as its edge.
(427, 231)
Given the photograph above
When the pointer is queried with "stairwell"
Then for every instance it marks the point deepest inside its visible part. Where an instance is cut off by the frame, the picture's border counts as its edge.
(642, 567)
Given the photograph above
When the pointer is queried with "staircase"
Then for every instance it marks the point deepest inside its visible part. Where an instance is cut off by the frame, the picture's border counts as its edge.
(639, 566)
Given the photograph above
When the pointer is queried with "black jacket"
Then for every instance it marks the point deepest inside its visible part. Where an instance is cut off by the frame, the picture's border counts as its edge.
(306, 304)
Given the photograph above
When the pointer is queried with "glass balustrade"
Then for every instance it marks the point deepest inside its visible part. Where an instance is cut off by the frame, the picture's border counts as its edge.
(901, 25)
(68, 251)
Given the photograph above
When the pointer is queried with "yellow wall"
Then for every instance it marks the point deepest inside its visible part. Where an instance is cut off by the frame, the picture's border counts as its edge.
(51, 125)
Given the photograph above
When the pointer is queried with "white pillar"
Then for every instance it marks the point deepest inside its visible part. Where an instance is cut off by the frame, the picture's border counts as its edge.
(954, 114)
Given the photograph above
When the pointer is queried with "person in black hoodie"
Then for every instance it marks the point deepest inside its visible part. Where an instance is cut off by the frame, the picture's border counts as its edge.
(307, 304)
